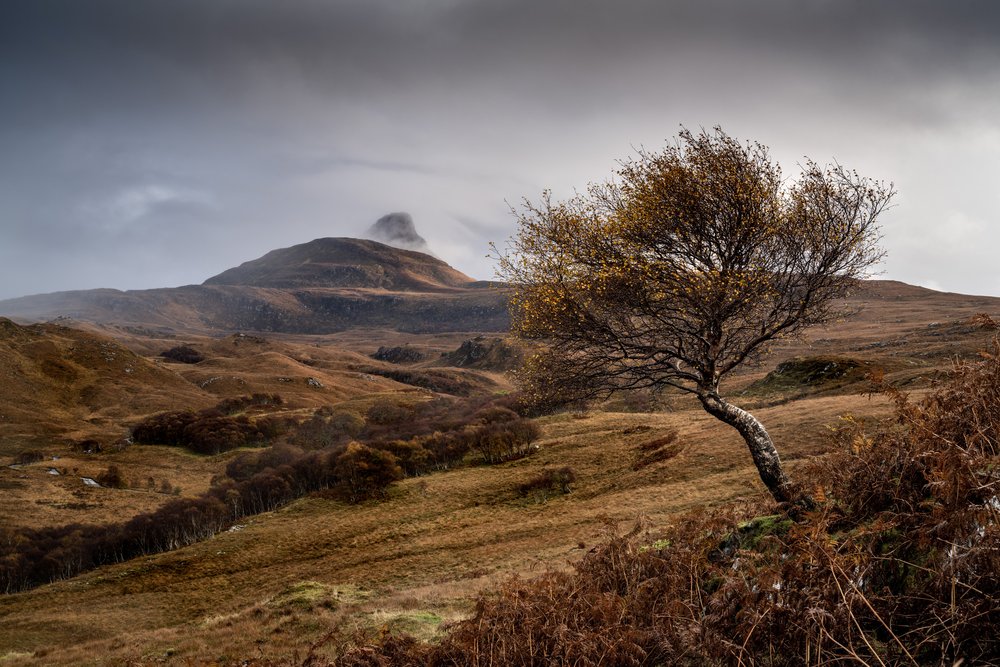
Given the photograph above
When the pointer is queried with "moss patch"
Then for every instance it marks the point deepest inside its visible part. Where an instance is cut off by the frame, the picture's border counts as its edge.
(812, 373)
(751, 533)
(423, 625)
(307, 595)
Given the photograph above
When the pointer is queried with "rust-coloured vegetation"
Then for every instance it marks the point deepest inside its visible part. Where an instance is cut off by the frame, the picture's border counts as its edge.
(549, 482)
(899, 564)
(262, 481)
(184, 354)
(691, 262)
(214, 430)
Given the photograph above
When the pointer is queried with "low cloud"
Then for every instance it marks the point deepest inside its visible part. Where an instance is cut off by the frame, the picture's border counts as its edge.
(397, 229)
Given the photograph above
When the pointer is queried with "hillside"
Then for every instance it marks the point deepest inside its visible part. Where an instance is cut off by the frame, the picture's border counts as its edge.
(69, 397)
(323, 286)
(58, 382)
(416, 559)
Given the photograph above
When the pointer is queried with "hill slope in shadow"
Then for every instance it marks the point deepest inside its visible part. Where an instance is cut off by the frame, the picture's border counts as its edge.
(324, 286)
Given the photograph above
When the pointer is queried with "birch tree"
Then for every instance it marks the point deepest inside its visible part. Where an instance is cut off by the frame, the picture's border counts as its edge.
(687, 264)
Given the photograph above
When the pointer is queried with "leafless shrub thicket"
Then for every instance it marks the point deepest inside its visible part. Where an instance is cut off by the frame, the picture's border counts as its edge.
(436, 436)
(214, 430)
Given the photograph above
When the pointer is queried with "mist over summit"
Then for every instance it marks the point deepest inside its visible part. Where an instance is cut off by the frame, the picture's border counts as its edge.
(397, 229)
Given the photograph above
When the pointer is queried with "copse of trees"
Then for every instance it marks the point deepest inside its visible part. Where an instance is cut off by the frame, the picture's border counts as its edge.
(214, 430)
(428, 436)
(365, 472)
(184, 354)
(256, 482)
(439, 434)
(684, 267)
(328, 427)
(445, 382)
(505, 440)
(231, 406)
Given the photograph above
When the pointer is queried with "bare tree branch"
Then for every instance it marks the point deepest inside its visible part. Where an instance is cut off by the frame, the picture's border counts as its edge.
(686, 265)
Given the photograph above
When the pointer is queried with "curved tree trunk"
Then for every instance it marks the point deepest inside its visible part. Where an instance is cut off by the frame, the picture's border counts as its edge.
(765, 456)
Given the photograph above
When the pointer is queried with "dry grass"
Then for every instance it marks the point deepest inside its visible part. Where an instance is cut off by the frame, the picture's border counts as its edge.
(414, 561)
(60, 385)
(35, 498)
(419, 556)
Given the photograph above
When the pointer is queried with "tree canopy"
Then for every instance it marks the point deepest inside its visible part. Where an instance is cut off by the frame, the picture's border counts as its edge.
(687, 264)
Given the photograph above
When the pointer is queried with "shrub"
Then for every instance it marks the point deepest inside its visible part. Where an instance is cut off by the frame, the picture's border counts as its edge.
(439, 381)
(183, 354)
(246, 465)
(28, 456)
(327, 428)
(210, 431)
(506, 441)
(112, 478)
(495, 414)
(88, 446)
(214, 435)
(271, 427)
(166, 428)
(409, 454)
(231, 406)
(549, 482)
(364, 472)
(447, 449)
(384, 411)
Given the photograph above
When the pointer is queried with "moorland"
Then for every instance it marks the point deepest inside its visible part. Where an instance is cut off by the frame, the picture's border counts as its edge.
(307, 350)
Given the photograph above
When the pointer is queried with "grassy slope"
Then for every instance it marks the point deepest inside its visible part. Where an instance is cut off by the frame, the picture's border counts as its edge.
(60, 385)
(418, 558)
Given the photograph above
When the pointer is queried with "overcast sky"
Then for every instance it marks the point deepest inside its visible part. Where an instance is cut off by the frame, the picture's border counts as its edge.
(154, 143)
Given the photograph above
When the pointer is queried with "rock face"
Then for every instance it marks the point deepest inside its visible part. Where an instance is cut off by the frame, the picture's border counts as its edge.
(482, 353)
(401, 354)
(397, 230)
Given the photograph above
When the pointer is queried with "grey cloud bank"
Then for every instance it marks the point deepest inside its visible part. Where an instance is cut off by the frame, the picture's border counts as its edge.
(157, 143)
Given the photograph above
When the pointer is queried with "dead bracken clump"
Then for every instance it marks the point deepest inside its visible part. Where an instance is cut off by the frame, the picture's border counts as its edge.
(983, 321)
(28, 456)
(657, 450)
(899, 564)
(549, 482)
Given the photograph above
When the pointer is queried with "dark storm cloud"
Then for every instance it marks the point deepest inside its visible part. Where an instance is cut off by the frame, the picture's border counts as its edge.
(150, 55)
(153, 143)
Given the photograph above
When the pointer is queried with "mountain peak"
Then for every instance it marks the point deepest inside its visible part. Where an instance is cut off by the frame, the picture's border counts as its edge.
(345, 262)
